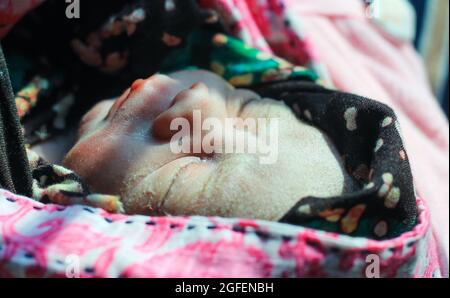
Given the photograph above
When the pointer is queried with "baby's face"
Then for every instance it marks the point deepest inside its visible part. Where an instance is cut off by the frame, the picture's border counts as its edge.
(126, 147)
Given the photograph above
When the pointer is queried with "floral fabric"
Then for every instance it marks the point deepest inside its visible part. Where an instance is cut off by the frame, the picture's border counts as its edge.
(334, 239)
(52, 241)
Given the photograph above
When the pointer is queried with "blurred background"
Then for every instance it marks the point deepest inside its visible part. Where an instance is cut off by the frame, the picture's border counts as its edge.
(431, 40)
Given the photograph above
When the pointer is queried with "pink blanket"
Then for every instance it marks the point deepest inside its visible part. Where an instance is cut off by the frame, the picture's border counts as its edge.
(39, 240)
(351, 53)
(355, 55)
(364, 60)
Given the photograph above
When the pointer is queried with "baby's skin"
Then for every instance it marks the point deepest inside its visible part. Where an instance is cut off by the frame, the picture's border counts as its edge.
(124, 148)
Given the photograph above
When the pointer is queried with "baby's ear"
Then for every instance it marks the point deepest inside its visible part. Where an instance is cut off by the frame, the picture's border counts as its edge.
(196, 99)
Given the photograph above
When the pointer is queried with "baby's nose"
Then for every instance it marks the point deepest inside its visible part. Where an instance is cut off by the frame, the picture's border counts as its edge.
(198, 99)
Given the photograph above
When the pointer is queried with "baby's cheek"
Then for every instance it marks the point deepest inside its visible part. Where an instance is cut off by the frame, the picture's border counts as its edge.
(188, 194)
(97, 160)
(93, 118)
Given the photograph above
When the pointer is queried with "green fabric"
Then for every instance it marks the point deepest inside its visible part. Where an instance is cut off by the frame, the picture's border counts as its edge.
(231, 59)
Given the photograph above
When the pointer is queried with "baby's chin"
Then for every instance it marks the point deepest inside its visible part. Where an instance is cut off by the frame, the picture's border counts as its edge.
(168, 190)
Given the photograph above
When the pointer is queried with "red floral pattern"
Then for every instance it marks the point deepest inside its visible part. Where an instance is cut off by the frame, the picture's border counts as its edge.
(38, 240)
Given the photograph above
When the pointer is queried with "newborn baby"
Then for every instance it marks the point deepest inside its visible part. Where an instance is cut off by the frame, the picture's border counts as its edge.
(125, 147)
